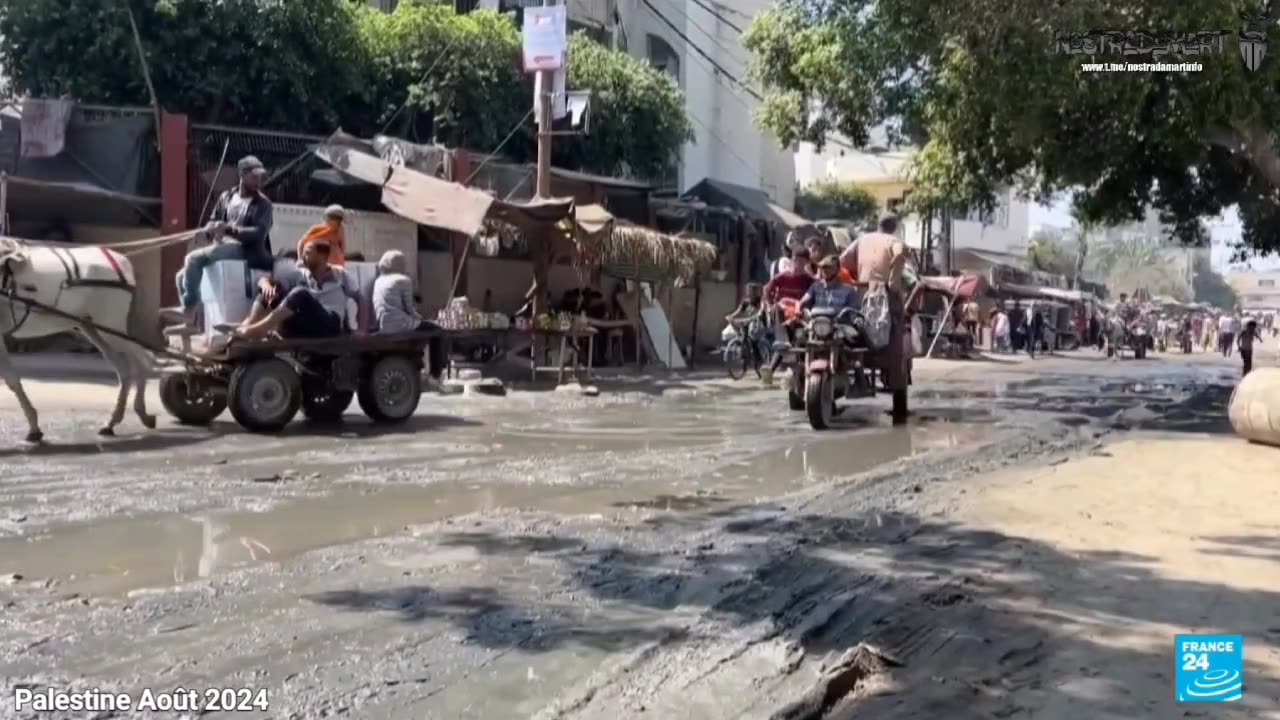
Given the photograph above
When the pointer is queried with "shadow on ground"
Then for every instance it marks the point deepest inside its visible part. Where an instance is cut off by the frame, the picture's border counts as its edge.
(997, 624)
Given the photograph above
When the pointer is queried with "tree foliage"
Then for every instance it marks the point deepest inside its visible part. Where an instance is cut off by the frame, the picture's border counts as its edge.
(979, 85)
(1052, 252)
(318, 65)
(1127, 266)
(837, 200)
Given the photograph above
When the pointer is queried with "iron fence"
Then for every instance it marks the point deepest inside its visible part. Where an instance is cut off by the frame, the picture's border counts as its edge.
(287, 157)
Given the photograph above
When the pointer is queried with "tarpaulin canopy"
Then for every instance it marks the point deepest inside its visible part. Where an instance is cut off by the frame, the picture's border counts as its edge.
(968, 285)
(750, 200)
(1069, 296)
(1015, 291)
(431, 201)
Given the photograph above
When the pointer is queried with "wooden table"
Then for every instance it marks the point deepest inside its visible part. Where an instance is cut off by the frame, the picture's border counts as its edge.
(516, 341)
(566, 350)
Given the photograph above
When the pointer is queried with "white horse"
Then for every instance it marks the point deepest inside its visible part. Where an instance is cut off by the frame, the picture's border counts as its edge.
(92, 289)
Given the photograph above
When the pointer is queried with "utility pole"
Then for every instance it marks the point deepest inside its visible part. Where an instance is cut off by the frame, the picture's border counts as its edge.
(542, 246)
(546, 82)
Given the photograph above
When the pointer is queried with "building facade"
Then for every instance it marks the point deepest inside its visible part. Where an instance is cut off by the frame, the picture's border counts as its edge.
(1256, 290)
(885, 174)
(699, 44)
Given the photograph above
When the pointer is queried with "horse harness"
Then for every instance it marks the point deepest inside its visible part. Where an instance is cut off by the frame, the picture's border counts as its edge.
(13, 253)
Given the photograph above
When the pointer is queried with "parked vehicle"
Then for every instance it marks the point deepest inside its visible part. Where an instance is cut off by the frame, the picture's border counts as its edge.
(832, 361)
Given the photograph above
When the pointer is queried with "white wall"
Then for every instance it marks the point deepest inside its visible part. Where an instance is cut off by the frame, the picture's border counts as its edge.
(728, 145)
(1005, 230)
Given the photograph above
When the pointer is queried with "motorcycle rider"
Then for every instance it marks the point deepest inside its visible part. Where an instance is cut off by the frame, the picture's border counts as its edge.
(788, 286)
(830, 292)
(1125, 310)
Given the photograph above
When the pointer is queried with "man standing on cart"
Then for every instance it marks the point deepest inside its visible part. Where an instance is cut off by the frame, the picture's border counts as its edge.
(879, 262)
(240, 230)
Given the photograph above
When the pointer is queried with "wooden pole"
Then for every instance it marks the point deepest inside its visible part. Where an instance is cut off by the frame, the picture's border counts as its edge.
(542, 246)
(942, 325)
(146, 69)
(4, 203)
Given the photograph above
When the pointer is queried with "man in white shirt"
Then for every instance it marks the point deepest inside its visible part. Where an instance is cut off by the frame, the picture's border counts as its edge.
(1226, 333)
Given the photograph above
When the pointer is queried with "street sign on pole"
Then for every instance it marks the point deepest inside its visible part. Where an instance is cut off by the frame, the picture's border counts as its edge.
(545, 38)
(558, 96)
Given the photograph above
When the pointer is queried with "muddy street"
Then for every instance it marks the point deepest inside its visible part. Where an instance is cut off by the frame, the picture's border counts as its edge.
(680, 547)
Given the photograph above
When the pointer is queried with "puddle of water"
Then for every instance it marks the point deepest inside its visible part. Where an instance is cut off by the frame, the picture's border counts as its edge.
(120, 555)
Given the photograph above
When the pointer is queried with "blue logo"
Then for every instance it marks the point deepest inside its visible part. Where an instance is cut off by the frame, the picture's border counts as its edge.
(1210, 668)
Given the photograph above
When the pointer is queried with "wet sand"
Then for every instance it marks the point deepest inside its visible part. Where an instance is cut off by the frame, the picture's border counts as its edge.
(695, 552)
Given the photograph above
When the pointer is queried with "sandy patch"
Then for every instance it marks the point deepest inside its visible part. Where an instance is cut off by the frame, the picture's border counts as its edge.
(1152, 539)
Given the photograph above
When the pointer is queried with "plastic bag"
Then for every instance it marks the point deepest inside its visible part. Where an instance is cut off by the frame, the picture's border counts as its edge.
(728, 333)
(879, 322)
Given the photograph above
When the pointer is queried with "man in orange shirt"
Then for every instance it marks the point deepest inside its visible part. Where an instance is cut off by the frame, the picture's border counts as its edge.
(330, 232)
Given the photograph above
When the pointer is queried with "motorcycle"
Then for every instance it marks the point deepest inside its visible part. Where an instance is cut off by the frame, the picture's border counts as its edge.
(831, 368)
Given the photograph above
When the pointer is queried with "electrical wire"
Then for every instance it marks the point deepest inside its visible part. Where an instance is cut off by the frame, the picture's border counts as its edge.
(714, 136)
(732, 52)
(498, 149)
(444, 51)
(710, 60)
(717, 15)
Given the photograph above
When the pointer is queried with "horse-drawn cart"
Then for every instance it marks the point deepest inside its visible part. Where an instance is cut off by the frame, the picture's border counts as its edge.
(265, 384)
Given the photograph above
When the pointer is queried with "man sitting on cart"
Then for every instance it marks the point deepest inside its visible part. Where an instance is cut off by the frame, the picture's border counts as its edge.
(310, 302)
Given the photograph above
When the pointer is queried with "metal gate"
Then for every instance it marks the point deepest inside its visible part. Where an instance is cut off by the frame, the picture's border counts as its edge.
(287, 157)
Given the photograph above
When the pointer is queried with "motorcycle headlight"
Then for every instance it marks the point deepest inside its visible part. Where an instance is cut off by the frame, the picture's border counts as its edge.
(822, 328)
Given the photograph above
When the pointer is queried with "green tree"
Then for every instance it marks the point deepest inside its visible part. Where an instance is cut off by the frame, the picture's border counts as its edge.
(422, 72)
(638, 119)
(836, 200)
(430, 71)
(1052, 252)
(217, 61)
(1127, 266)
(980, 86)
(1208, 285)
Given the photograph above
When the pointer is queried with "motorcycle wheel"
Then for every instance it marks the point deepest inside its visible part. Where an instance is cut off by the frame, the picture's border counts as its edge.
(795, 392)
(819, 400)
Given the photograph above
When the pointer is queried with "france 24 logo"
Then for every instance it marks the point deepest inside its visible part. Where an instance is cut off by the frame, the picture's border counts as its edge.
(1210, 668)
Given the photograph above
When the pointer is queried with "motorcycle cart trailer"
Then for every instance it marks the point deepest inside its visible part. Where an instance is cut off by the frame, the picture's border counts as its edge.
(821, 377)
(265, 384)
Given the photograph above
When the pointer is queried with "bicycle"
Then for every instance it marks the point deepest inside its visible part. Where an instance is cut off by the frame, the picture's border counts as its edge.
(748, 349)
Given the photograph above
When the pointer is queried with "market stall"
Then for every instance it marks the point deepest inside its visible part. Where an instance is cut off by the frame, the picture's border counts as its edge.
(958, 288)
(587, 236)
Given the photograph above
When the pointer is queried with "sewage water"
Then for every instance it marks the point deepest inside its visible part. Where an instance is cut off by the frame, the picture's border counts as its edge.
(119, 555)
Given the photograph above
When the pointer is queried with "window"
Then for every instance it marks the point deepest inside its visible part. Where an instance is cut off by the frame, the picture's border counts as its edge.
(663, 57)
(1266, 283)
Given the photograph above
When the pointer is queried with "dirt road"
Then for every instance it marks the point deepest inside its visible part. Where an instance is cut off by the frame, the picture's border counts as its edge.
(1027, 547)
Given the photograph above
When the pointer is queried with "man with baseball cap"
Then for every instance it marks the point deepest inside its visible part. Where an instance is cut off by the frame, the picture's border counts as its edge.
(240, 230)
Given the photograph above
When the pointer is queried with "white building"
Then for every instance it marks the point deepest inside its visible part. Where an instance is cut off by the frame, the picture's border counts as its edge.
(699, 43)
(886, 175)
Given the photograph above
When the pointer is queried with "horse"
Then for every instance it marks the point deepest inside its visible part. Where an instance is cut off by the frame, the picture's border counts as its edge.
(91, 291)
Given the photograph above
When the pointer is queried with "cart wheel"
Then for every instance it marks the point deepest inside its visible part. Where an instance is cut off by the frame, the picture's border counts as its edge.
(265, 395)
(191, 399)
(326, 406)
(390, 391)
